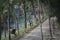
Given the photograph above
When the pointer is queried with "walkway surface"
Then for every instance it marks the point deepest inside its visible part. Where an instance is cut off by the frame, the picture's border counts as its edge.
(36, 33)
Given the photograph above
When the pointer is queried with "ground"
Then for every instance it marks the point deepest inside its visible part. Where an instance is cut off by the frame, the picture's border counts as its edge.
(36, 33)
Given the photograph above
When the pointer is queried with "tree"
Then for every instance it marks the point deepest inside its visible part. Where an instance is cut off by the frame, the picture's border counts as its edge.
(4, 3)
(56, 7)
(24, 3)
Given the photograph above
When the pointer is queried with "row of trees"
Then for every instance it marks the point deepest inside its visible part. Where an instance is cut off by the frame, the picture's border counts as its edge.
(7, 8)
(56, 7)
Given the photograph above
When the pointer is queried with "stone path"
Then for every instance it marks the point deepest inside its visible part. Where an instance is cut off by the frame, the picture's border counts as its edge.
(36, 33)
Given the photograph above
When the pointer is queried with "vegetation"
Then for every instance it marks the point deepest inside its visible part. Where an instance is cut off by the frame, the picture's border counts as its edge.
(13, 11)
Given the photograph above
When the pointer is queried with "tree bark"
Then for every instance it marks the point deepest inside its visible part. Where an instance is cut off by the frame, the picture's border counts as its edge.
(25, 13)
(1, 25)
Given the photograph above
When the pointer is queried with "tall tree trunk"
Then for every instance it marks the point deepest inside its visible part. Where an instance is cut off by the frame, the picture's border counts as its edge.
(1, 22)
(40, 7)
(50, 28)
(9, 27)
(1, 25)
(18, 20)
(9, 12)
(41, 22)
(25, 14)
(33, 8)
(15, 20)
(50, 20)
(30, 21)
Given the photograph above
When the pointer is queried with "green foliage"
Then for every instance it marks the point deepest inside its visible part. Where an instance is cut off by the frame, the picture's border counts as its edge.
(3, 3)
(15, 2)
(55, 4)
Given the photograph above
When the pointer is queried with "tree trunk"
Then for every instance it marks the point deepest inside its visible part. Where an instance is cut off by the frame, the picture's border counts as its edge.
(40, 19)
(9, 12)
(50, 28)
(25, 14)
(0, 28)
(1, 25)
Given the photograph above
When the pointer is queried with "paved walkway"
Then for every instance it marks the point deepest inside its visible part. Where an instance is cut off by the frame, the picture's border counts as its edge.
(36, 33)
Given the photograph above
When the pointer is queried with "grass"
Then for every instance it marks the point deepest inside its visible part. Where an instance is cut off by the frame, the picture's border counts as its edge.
(5, 38)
